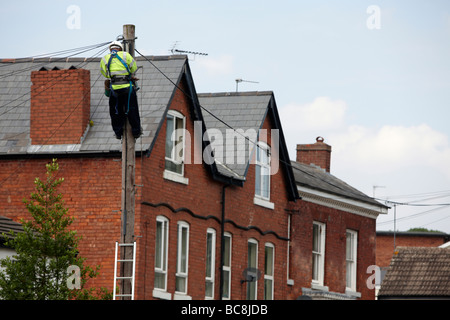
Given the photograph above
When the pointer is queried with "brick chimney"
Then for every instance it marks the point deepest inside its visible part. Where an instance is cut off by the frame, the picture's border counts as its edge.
(60, 106)
(318, 154)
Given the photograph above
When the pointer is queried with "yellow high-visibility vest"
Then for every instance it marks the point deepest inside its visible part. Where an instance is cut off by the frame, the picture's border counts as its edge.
(116, 68)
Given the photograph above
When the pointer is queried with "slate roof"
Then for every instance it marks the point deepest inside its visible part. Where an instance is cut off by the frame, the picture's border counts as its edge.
(242, 111)
(318, 179)
(7, 225)
(417, 272)
(153, 98)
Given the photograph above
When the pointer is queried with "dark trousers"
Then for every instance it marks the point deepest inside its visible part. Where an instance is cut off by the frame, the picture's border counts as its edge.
(118, 109)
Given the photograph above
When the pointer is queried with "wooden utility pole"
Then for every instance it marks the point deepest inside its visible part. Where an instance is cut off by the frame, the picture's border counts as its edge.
(128, 178)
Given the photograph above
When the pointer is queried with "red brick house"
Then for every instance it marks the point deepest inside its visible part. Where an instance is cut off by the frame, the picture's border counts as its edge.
(217, 203)
(333, 231)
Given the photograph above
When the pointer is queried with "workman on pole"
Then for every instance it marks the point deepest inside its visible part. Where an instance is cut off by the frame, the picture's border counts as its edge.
(119, 67)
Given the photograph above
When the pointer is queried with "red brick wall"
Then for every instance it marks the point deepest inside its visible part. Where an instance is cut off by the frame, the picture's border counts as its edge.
(385, 245)
(337, 222)
(91, 191)
(60, 106)
(318, 153)
(203, 197)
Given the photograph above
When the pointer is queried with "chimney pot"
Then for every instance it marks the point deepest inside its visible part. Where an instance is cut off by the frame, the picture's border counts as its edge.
(318, 154)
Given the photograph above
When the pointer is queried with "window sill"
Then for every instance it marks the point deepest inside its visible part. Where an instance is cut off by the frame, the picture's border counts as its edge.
(169, 175)
(160, 294)
(316, 286)
(263, 203)
(181, 296)
(352, 293)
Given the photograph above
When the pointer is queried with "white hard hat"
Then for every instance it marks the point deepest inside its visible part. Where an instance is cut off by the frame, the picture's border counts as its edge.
(116, 44)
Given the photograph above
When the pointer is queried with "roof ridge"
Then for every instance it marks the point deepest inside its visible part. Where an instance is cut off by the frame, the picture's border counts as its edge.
(234, 94)
(89, 59)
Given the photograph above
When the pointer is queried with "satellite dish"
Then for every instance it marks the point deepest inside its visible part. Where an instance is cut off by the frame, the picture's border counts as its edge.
(251, 275)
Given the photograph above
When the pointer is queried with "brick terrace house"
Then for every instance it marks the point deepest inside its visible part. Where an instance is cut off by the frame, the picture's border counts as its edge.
(333, 231)
(214, 218)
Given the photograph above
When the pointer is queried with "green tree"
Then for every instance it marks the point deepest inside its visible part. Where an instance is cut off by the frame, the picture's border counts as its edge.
(45, 251)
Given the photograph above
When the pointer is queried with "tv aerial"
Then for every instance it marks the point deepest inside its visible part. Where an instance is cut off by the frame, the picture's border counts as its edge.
(174, 50)
(241, 80)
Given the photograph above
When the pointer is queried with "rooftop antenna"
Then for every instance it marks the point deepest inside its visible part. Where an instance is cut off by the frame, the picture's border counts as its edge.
(241, 80)
(178, 51)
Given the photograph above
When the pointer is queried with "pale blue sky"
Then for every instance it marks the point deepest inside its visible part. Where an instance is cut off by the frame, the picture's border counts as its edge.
(380, 97)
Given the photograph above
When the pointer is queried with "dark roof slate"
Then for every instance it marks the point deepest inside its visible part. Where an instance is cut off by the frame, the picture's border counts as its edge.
(245, 113)
(7, 225)
(316, 178)
(153, 98)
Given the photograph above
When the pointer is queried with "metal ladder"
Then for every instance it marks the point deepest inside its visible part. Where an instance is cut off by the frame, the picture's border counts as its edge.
(116, 278)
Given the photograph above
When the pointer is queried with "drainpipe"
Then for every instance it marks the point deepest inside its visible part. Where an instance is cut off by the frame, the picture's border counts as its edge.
(222, 242)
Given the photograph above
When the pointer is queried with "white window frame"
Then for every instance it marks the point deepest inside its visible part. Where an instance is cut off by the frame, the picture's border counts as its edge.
(227, 267)
(351, 239)
(169, 174)
(269, 277)
(261, 198)
(180, 273)
(210, 262)
(164, 246)
(252, 285)
(318, 257)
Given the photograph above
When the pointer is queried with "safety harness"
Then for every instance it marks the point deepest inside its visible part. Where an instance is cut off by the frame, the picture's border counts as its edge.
(120, 80)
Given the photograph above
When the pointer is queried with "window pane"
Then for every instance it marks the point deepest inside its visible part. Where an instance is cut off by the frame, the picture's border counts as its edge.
(158, 255)
(268, 265)
(264, 156)
(268, 289)
(265, 184)
(226, 284)
(160, 280)
(183, 257)
(209, 289)
(226, 257)
(316, 238)
(315, 267)
(180, 284)
(179, 134)
(349, 276)
(252, 263)
(258, 180)
(171, 166)
(169, 131)
(349, 246)
(209, 239)
(252, 255)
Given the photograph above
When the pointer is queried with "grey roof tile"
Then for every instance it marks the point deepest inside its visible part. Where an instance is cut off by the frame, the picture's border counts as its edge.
(153, 99)
(232, 109)
(418, 272)
(316, 178)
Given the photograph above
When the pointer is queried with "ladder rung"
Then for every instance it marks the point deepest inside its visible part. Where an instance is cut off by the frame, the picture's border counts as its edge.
(126, 244)
(124, 295)
(125, 260)
(124, 277)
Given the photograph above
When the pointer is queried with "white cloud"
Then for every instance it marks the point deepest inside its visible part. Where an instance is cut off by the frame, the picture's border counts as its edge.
(321, 114)
(392, 148)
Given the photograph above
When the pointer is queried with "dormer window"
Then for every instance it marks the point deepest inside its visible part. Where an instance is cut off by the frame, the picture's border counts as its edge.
(262, 167)
(262, 176)
(175, 144)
